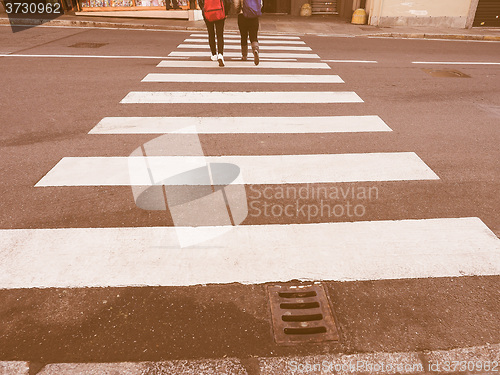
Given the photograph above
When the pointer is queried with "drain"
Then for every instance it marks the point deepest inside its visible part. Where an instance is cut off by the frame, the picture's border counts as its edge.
(446, 73)
(88, 45)
(301, 314)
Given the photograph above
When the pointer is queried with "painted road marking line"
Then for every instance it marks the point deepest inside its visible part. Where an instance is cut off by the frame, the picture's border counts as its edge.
(237, 36)
(205, 40)
(242, 78)
(243, 64)
(238, 54)
(176, 58)
(266, 59)
(91, 56)
(239, 125)
(352, 61)
(237, 47)
(177, 97)
(455, 63)
(248, 254)
(260, 169)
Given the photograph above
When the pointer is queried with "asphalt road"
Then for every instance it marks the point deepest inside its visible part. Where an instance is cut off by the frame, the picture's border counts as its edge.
(49, 105)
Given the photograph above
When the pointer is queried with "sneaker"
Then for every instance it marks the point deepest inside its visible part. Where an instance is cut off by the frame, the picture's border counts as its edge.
(220, 58)
(213, 58)
(256, 56)
(255, 50)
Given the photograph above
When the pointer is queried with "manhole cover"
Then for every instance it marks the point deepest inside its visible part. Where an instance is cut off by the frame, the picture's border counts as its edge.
(88, 45)
(301, 314)
(446, 73)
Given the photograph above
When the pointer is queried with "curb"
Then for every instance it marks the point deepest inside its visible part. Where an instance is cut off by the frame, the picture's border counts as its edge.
(90, 24)
(112, 25)
(436, 36)
(474, 360)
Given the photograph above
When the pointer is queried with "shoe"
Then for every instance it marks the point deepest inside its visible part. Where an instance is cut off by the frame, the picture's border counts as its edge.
(255, 50)
(256, 59)
(244, 52)
(213, 58)
(220, 58)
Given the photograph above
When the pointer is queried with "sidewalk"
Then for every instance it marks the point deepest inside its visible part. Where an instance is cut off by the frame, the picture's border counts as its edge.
(326, 25)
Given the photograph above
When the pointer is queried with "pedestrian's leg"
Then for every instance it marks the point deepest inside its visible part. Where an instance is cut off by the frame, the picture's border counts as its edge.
(219, 26)
(211, 38)
(243, 26)
(253, 30)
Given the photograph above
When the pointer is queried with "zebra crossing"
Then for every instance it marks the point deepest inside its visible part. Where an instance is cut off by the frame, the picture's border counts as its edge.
(359, 250)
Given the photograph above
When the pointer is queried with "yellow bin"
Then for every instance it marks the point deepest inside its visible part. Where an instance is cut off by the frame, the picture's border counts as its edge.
(359, 17)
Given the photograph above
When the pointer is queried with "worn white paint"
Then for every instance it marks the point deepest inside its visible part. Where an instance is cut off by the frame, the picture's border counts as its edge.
(255, 169)
(280, 64)
(272, 97)
(238, 47)
(237, 41)
(239, 125)
(276, 55)
(237, 36)
(352, 61)
(242, 78)
(370, 250)
(418, 12)
(86, 56)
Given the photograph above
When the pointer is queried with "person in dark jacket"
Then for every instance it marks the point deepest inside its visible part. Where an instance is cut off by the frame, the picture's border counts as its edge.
(213, 28)
(249, 28)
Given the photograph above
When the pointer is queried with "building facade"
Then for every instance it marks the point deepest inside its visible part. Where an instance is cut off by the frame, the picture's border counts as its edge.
(122, 5)
(439, 13)
(331, 7)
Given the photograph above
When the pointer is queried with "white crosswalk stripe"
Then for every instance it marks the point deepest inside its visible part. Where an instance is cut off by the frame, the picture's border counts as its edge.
(229, 41)
(277, 55)
(237, 36)
(242, 78)
(104, 257)
(241, 125)
(238, 47)
(218, 97)
(261, 169)
(244, 64)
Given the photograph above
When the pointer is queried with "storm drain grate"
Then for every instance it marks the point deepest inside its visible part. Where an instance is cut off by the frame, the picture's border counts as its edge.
(446, 73)
(301, 314)
(88, 45)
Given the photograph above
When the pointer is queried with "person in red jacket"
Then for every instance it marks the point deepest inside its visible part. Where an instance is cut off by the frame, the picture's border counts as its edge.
(213, 28)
